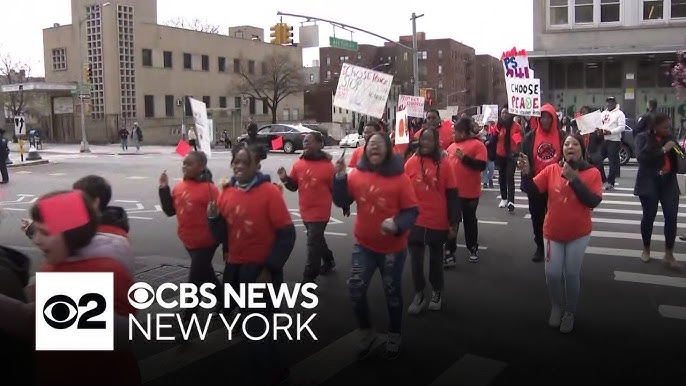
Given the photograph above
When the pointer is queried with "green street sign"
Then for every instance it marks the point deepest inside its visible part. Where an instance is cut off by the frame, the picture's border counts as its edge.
(343, 44)
(88, 86)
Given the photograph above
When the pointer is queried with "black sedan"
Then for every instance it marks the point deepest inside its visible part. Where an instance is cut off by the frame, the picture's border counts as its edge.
(292, 136)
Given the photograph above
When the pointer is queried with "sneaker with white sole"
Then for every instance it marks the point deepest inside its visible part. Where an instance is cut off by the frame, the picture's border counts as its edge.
(474, 255)
(392, 346)
(555, 317)
(503, 203)
(567, 323)
(645, 257)
(366, 343)
(510, 206)
(419, 304)
(436, 301)
(449, 261)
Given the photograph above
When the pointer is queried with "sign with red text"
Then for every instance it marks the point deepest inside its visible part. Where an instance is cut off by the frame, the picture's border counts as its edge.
(414, 105)
(524, 96)
(516, 64)
(363, 90)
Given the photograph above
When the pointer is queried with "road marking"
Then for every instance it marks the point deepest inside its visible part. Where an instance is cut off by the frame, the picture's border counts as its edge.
(331, 233)
(471, 370)
(672, 312)
(669, 281)
(136, 178)
(58, 174)
(601, 220)
(628, 236)
(329, 361)
(14, 209)
(493, 222)
(23, 172)
(625, 252)
(140, 218)
(481, 248)
(604, 202)
(615, 211)
(127, 201)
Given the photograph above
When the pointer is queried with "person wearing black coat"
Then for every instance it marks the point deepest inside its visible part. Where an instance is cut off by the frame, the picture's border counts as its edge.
(656, 183)
(4, 154)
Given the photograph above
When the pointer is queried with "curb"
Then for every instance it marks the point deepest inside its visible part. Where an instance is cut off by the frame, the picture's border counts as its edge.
(28, 163)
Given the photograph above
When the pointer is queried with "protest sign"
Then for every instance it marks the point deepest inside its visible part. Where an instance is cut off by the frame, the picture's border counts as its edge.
(516, 64)
(524, 96)
(362, 90)
(490, 113)
(413, 104)
(201, 126)
(402, 132)
(587, 123)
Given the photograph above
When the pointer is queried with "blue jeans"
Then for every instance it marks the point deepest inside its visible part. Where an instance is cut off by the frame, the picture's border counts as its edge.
(562, 269)
(124, 143)
(487, 174)
(364, 264)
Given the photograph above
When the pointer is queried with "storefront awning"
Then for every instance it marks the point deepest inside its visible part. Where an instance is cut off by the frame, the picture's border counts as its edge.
(605, 51)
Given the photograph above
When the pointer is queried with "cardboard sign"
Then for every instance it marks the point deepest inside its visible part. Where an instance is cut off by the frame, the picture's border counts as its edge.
(587, 123)
(402, 130)
(516, 64)
(202, 128)
(490, 113)
(524, 96)
(363, 90)
(414, 105)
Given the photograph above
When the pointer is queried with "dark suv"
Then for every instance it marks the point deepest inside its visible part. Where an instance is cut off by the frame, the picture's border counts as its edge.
(292, 136)
(627, 151)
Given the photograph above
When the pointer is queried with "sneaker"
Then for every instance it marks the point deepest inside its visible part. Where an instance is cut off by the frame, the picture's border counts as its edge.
(609, 187)
(418, 305)
(538, 255)
(503, 203)
(327, 267)
(474, 255)
(392, 346)
(510, 206)
(366, 343)
(567, 323)
(485, 186)
(436, 301)
(490, 184)
(449, 261)
(555, 317)
(645, 257)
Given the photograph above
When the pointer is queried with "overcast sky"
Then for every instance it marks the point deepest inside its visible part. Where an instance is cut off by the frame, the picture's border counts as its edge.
(490, 26)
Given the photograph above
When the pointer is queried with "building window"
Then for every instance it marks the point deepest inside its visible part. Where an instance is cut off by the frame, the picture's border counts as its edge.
(440, 54)
(311, 78)
(295, 114)
(147, 57)
(440, 84)
(264, 68)
(440, 69)
(609, 11)
(594, 75)
(221, 64)
(359, 56)
(678, 9)
(252, 106)
(238, 34)
(187, 61)
(188, 108)
(167, 59)
(653, 9)
(169, 105)
(559, 13)
(205, 62)
(255, 37)
(149, 106)
(613, 74)
(575, 75)
(222, 102)
(557, 75)
(206, 101)
(422, 55)
(59, 59)
(265, 107)
(127, 65)
(583, 11)
(664, 76)
(328, 74)
(328, 61)
(237, 66)
(237, 102)
(286, 114)
(251, 67)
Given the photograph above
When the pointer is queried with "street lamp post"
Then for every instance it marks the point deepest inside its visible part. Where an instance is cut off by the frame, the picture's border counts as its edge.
(415, 54)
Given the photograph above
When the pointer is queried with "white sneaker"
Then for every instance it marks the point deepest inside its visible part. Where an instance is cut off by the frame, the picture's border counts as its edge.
(567, 324)
(510, 206)
(503, 203)
(645, 257)
(436, 301)
(555, 317)
(418, 305)
(474, 256)
(366, 343)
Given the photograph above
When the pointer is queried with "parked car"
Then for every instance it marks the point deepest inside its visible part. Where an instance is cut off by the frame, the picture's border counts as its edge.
(292, 136)
(627, 150)
(352, 140)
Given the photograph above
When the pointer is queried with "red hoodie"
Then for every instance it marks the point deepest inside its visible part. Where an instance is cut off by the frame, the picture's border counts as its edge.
(547, 148)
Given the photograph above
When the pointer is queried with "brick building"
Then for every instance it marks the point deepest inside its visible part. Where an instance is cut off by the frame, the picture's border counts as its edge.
(490, 81)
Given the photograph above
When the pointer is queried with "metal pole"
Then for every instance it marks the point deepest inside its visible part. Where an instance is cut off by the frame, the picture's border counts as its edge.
(415, 54)
(85, 148)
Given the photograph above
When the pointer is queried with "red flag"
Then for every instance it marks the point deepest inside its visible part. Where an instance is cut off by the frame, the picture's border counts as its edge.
(277, 143)
(63, 212)
(183, 148)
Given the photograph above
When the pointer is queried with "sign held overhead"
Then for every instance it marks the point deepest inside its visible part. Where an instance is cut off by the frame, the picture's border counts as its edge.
(363, 90)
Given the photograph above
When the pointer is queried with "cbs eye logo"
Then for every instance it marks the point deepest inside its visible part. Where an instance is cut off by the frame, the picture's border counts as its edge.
(141, 295)
(61, 312)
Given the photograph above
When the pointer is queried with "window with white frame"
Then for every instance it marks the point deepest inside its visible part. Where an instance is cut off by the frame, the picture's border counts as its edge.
(583, 11)
(678, 9)
(610, 11)
(440, 69)
(653, 9)
(563, 13)
(59, 59)
(559, 12)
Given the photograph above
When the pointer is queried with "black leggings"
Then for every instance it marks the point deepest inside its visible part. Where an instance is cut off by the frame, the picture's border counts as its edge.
(506, 177)
(420, 238)
(201, 270)
(669, 199)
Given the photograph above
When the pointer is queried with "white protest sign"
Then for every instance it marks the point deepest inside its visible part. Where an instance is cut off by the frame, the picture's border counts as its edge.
(202, 129)
(362, 90)
(402, 132)
(413, 104)
(517, 67)
(490, 113)
(524, 96)
(587, 123)
(452, 110)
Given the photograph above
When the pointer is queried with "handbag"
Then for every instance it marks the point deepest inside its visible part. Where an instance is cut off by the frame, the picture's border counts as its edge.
(680, 161)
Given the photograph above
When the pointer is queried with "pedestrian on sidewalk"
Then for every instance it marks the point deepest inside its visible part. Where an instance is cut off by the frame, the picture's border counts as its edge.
(124, 138)
(4, 156)
(614, 123)
(137, 136)
(573, 190)
(193, 139)
(656, 183)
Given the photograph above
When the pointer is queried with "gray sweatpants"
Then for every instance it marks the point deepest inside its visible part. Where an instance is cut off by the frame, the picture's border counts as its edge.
(562, 269)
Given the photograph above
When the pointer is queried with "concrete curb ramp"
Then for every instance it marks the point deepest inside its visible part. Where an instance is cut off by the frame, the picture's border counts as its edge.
(28, 163)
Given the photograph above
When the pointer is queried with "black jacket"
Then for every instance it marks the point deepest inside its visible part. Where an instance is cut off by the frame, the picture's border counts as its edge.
(651, 159)
(528, 150)
(644, 122)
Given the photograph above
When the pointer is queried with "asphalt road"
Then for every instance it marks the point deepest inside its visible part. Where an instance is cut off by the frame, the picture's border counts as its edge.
(492, 330)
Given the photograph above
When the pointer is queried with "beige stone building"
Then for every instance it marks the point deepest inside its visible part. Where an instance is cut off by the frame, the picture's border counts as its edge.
(142, 72)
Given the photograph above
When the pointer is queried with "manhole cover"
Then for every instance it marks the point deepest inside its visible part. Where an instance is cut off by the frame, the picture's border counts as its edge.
(166, 274)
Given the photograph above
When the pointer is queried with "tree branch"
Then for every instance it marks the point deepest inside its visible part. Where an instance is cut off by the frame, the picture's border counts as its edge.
(194, 24)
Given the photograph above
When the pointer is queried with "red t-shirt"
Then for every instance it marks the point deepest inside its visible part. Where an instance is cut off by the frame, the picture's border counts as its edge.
(567, 219)
(468, 180)
(252, 217)
(378, 198)
(315, 180)
(547, 149)
(446, 135)
(667, 166)
(355, 157)
(514, 140)
(190, 203)
(430, 183)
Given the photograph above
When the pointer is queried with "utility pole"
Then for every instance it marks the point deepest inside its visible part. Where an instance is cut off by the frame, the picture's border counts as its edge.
(85, 148)
(415, 54)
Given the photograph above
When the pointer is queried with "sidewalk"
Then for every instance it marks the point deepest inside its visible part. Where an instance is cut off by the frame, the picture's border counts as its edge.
(61, 148)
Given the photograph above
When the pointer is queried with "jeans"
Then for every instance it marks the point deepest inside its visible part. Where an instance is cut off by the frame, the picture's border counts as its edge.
(420, 238)
(317, 249)
(201, 270)
(562, 269)
(611, 152)
(364, 264)
(669, 199)
(468, 208)
(506, 175)
(124, 143)
(538, 206)
(487, 174)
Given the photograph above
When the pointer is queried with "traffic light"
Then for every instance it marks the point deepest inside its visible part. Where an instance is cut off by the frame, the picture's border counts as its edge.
(287, 34)
(276, 35)
(87, 74)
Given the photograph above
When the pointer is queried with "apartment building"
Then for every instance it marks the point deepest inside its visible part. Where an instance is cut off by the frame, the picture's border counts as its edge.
(143, 71)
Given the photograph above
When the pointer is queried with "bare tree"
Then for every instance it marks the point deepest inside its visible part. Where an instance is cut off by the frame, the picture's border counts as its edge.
(280, 78)
(13, 71)
(194, 24)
